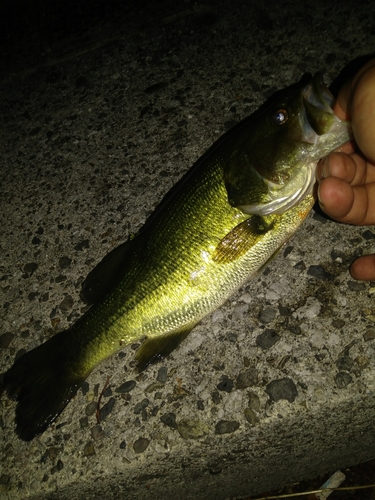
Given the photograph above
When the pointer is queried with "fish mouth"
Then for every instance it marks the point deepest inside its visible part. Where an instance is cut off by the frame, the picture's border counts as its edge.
(315, 130)
(314, 122)
(316, 116)
(282, 197)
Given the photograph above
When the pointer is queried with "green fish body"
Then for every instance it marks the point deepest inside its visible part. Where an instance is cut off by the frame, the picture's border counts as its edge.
(222, 222)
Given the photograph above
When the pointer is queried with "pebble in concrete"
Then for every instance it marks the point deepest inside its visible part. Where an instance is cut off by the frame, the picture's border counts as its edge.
(226, 427)
(192, 429)
(126, 387)
(267, 339)
(141, 445)
(283, 388)
(247, 378)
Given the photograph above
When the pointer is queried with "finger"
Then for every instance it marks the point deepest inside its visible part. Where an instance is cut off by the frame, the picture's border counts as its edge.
(348, 148)
(343, 106)
(363, 112)
(363, 268)
(340, 106)
(350, 168)
(346, 203)
(336, 197)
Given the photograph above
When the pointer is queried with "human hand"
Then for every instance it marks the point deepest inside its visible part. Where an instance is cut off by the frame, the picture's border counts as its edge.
(346, 179)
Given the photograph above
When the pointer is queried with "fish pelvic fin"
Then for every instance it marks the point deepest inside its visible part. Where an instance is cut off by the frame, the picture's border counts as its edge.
(42, 382)
(155, 349)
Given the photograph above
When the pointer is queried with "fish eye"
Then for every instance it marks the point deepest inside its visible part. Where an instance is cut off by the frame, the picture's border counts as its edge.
(280, 117)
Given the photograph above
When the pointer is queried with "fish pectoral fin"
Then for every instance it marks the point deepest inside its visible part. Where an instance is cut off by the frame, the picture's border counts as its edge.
(106, 274)
(42, 381)
(241, 238)
(155, 349)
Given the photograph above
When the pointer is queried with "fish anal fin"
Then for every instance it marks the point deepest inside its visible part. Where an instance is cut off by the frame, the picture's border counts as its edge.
(106, 274)
(42, 383)
(241, 238)
(155, 349)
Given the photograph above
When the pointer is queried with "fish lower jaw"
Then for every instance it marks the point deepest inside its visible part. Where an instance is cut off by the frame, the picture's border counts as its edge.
(285, 197)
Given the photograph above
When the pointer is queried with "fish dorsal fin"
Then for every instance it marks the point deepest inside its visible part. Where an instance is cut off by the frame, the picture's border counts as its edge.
(241, 238)
(106, 274)
(155, 349)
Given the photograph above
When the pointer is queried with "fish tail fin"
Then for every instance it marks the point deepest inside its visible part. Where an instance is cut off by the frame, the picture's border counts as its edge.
(42, 381)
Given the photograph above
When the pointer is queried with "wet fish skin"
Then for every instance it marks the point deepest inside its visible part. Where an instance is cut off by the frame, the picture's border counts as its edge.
(218, 226)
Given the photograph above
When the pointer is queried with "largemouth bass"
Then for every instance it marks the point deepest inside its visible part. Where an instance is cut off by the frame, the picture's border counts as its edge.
(215, 229)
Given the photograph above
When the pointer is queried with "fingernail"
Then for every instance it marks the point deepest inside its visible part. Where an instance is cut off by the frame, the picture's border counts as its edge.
(318, 173)
(319, 199)
(324, 168)
(321, 170)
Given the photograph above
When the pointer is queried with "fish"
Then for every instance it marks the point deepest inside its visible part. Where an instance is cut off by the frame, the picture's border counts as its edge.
(225, 219)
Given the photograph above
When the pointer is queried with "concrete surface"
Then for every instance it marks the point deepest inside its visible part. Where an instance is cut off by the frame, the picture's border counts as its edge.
(103, 106)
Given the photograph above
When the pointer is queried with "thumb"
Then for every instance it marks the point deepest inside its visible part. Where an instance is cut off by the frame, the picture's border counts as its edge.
(363, 111)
